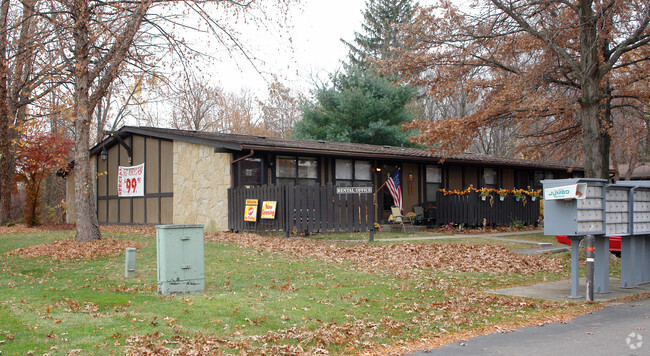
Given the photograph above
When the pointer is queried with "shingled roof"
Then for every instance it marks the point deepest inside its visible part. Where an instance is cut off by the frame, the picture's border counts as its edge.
(236, 142)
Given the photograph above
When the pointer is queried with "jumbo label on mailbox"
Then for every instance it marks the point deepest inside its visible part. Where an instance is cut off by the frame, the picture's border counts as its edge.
(574, 191)
(268, 209)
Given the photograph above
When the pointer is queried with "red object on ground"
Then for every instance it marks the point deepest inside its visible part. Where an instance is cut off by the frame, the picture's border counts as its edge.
(614, 242)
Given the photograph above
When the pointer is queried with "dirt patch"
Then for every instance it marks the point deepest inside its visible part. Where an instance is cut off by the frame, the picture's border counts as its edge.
(70, 249)
(404, 258)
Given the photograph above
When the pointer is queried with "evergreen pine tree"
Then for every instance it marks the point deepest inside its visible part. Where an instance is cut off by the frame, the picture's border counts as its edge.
(380, 32)
(358, 107)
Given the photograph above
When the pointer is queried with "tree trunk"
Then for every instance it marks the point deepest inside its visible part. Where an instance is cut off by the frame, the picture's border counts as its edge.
(87, 224)
(595, 131)
(6, 170)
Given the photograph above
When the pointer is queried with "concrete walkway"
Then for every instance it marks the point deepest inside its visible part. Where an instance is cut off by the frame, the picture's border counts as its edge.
(496, 236)
(561, 290)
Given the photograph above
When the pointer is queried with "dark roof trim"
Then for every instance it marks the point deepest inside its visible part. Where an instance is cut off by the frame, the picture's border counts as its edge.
(236, 142)
(163, 135)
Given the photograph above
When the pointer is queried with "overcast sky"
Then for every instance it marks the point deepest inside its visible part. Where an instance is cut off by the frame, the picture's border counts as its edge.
(316, 29)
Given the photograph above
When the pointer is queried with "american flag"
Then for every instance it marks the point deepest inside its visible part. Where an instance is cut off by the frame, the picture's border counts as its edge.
(393, 185)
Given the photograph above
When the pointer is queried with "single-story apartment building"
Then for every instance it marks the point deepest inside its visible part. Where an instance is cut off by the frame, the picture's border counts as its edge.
(187, 174)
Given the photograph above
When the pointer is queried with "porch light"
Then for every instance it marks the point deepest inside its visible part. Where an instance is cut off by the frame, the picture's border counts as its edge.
(104, 154)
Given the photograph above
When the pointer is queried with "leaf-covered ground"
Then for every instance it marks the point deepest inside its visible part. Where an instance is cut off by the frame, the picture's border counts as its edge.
(406, 258)
(264, 296)
(70, 249)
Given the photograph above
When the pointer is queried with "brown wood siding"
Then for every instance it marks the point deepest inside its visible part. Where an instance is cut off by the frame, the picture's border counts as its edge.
(167, 210)
(166, 167)
(124, 156)
(455, 177)
(138, 211)
(409, 199)
(112, 211)
(471, 176)
(138, 150)
(112, 170)
(125, 210)
(102, 211)
(152, 210)
(158, 174)
(151, 169)
(102, 176)
(508, 178)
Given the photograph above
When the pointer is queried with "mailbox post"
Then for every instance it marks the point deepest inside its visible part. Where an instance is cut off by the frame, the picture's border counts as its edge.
(575, 208)
(579, 207)
(635, 248)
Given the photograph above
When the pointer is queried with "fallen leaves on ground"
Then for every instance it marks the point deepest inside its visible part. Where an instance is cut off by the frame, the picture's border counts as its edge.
(144, 230)
(70, 249)
(404, 258)
(488, 230)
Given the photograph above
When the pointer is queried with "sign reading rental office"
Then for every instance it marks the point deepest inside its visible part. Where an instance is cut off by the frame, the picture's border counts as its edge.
(353, 190)
(250, 213)
(130, 181)
(268, 209)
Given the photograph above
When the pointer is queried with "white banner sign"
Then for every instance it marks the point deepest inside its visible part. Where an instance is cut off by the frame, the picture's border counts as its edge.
(130, 181)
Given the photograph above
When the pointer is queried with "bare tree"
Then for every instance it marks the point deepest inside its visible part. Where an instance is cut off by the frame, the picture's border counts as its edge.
(558, 62)
(99, 40)
(281, 110)
(27, 64)
(195, 106)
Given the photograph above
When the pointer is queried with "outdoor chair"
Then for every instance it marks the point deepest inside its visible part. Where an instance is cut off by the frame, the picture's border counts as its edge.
(419, 215)
(398, 218)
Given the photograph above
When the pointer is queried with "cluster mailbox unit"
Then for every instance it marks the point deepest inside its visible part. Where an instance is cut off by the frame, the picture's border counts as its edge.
(585, 206)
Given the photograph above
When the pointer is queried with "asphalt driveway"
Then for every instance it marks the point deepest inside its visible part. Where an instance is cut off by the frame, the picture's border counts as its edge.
(619, 329)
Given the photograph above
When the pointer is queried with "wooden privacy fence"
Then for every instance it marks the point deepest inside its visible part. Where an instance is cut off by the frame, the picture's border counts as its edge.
(470, 210)
(303, 208)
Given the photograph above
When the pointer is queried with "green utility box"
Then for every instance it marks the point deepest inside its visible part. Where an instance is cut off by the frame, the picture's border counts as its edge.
(180, 259)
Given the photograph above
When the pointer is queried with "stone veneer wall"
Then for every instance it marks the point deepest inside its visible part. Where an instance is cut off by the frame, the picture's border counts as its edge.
(201, 182)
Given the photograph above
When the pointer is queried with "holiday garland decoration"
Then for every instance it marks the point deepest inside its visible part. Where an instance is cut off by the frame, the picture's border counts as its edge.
(483, 192)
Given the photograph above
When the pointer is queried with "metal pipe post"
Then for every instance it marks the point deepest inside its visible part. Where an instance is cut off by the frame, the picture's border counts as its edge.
(589, 241)
(129, 263)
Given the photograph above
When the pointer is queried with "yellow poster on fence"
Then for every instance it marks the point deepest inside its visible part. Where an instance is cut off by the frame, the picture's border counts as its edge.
(250, 214)
(268, 209)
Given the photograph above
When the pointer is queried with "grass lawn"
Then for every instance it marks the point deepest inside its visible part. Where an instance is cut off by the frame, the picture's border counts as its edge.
(259, 298)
